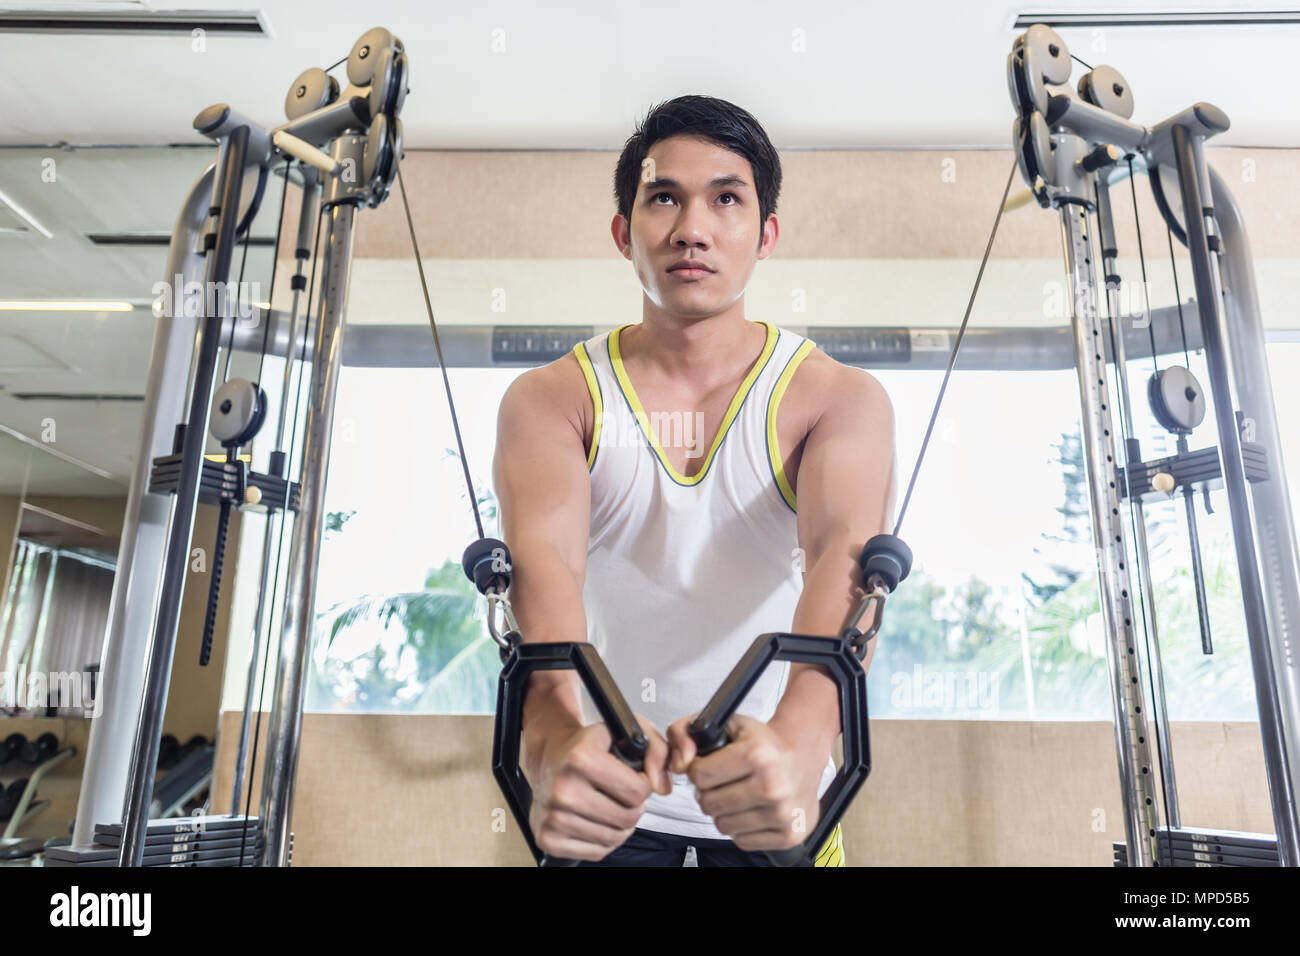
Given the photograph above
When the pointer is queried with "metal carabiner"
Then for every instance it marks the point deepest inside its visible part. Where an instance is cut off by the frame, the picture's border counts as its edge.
(859, 640)
(508, 640)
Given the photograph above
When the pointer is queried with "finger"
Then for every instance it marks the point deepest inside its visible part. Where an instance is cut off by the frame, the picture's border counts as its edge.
(756, 841)
(611, 777)
(681, 747)
(751, 820)
(562, 847)
(574, 794)
(735, 797)
(741, 726)
(656, 758)
(731, 764)
(567, 825)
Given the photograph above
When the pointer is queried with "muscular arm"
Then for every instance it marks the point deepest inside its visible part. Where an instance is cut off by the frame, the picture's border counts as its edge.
(544, 491)
(845, 495)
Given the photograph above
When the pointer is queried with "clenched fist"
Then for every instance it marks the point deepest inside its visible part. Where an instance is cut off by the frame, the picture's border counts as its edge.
(587, 802)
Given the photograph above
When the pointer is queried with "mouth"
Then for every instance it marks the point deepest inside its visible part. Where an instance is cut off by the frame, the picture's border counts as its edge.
(690, 269)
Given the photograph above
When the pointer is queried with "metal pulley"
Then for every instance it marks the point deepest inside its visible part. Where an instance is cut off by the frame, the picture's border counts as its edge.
(238, 411)
(365, 54)
(1105, 87)
(1033, 142)
(313, 89)
(1038, 57)
(1177, 399)
(383, 150)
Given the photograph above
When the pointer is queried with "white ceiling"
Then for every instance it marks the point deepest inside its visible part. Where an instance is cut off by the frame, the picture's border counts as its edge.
(571, 75)
(575, 74)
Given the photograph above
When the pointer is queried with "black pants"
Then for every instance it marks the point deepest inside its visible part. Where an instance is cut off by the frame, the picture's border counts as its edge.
(652, 848)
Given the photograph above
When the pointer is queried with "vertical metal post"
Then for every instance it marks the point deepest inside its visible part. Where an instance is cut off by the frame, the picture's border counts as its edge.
(1130, 717)
(144, 531)
(1200, 227)
(1141, 550)
(144, 757)
(300, 597)
(1279, 554)
(307, 215)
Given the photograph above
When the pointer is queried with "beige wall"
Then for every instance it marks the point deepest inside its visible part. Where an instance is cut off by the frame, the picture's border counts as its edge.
(846, 204)
(385, 790)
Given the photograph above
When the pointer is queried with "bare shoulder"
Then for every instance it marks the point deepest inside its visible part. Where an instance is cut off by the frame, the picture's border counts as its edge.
(823, 385)
(551, 394)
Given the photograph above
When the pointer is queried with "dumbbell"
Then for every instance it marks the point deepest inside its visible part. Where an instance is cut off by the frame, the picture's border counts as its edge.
(9, 798)
(168, 752)
(40, 750)
(12, 749)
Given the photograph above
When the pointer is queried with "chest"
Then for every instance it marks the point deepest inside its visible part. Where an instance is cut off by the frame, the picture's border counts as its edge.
(688, 423)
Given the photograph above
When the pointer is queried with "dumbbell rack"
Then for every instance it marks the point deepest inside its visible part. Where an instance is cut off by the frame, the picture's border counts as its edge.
(18, 803)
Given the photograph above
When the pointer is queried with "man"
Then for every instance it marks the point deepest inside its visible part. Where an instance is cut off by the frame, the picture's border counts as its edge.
(673, 550)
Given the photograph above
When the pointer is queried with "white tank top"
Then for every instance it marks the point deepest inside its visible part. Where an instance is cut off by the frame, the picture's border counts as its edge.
(684, 572)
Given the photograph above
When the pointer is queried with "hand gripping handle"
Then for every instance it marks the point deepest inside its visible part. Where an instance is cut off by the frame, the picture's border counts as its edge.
(629, 741)
(709, 732)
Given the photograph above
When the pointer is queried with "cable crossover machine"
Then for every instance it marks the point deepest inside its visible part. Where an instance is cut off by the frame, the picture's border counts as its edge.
(343, 146)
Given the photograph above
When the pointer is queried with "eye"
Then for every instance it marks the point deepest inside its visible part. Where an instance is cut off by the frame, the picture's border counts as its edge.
(657, 195)
(733, 196)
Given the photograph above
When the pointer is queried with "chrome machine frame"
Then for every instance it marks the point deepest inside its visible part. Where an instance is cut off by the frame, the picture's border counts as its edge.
(347, 146)
(1068, 147)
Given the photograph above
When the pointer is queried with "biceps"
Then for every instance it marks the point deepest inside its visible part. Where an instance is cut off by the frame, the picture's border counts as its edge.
(544, 490)
(846, 480)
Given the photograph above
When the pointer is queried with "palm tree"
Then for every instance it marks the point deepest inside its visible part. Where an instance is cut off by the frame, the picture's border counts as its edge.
(445, 662)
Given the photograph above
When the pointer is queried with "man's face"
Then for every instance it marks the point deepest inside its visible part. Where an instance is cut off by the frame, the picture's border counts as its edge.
(695, 201)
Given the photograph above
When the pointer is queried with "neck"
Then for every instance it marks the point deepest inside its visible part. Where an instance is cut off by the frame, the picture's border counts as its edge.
(702, 350)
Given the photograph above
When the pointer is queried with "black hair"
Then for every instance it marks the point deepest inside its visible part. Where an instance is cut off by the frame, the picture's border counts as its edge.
(716, 120)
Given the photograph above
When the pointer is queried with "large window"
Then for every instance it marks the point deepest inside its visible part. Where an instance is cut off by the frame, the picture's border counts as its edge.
(1000, 618)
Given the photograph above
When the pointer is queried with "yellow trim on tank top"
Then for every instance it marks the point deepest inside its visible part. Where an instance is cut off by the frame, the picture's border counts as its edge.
(832, 851)
(773, 403)
(589, 373)
(643, 420)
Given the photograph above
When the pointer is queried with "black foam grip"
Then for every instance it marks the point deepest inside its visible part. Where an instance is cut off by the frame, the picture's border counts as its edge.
(482, 563)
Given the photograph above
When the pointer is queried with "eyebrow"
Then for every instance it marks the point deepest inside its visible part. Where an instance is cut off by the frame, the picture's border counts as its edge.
(663, 182)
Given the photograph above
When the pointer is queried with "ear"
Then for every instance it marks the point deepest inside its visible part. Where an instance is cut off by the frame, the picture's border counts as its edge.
(767, 242)
(620, 229)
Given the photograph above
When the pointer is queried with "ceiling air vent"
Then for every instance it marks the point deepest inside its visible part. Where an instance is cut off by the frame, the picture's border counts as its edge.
(248, 23)
(1161, 18)
(162, 239)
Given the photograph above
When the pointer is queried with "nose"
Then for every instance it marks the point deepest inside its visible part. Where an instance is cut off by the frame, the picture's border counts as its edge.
(690, 229)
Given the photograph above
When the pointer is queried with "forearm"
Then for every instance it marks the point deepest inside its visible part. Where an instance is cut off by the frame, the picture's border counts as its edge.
(809, 709)
(547, 602)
